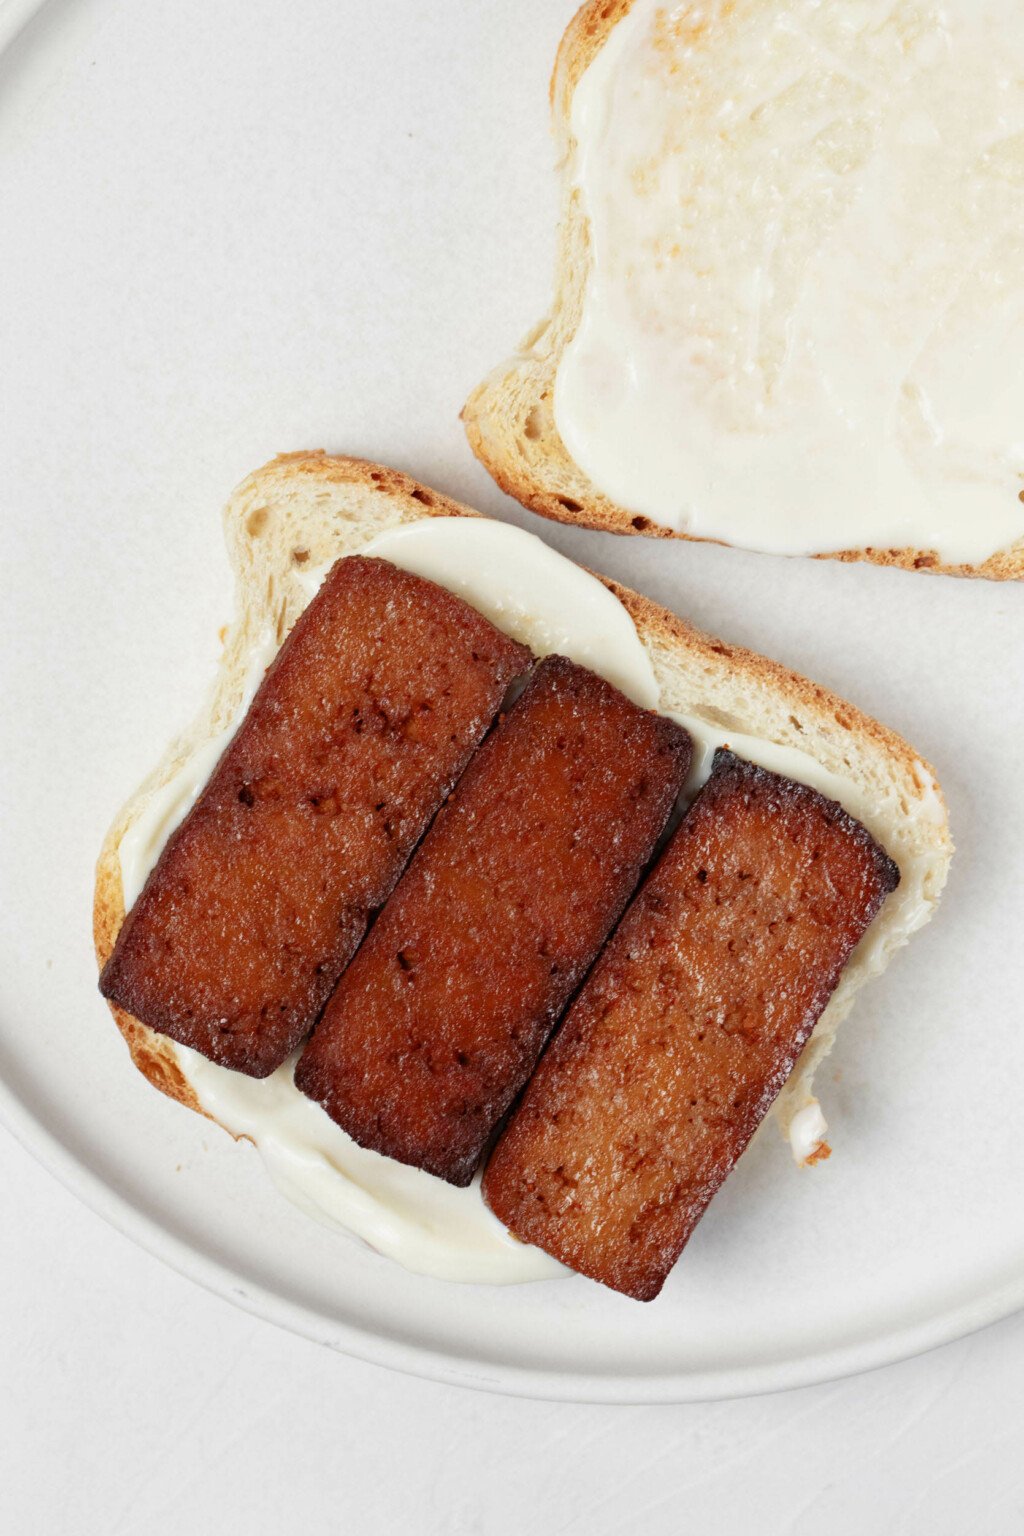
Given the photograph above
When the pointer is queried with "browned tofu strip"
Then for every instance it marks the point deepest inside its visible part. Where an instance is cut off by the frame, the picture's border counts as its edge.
(367, 717)
(440, 1018)
(687, 1027)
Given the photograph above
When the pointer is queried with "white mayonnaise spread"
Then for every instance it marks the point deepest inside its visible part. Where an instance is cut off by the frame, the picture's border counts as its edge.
(807, 1131)
(804, 304)
(550, 604)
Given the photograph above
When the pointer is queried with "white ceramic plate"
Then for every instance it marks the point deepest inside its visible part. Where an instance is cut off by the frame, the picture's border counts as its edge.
(232, 227)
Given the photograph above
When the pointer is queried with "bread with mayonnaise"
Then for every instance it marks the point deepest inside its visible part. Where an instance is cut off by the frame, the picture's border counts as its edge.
(788, 263)
(304, 510)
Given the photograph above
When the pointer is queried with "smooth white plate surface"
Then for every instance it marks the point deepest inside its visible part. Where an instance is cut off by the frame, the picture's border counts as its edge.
(235, 228)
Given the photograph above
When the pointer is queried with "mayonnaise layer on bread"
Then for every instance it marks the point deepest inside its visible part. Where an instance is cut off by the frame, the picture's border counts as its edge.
(550, 604)
(802, 315)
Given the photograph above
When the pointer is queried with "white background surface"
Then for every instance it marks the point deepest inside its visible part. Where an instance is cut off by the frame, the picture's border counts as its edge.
(148, 382)
(134, 1404)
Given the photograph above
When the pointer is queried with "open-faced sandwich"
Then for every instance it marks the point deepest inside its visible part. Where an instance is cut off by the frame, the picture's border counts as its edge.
(790, 261)
(497, 905)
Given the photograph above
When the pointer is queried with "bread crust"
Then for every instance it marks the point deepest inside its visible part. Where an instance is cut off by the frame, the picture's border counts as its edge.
(509, 417)
(317, 507)
(657, 625)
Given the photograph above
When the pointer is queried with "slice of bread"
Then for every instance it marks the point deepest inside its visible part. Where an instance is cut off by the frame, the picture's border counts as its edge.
(304, 510)
(510, 418)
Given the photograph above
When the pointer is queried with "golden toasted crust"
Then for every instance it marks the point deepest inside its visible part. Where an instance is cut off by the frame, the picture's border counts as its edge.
(581, 42)
(153, 1054)
(657, 625)
(307, 509)
(509, 418)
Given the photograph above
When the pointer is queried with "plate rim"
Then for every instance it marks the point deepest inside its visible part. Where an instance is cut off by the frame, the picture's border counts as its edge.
(133, 1221)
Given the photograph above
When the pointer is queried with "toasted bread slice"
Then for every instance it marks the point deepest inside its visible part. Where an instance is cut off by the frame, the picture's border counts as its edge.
(510, 417)
(303, 510)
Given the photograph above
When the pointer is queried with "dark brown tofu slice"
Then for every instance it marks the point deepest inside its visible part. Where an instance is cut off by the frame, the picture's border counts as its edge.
(368, 715)
(687, 1027)
(440, 1018)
